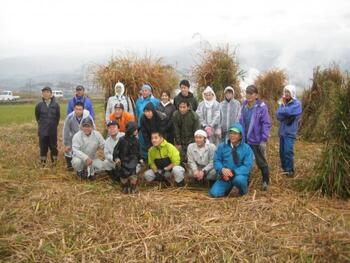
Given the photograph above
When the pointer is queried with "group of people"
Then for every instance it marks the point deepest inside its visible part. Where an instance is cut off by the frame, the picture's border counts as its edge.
(215, 142)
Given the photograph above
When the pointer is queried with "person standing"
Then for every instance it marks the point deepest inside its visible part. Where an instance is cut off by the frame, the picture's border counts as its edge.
(288, 114)
(47, 115)
(185, 95)
(168, 109)
(80, 97)
(256, 123)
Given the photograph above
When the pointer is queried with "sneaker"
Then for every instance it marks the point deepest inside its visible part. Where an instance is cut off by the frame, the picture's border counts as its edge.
(82, 174)
(265, 186)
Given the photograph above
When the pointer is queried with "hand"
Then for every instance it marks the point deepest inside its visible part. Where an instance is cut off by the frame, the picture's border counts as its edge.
(88, 162)
(67, 149)
(168, 168)
(200, 175)
(226, 173)
(178, 146)
(209, 131)
(138, 168)
(117, 162)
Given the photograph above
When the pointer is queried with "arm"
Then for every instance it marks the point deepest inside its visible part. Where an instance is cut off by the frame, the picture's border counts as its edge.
(266, 124)
(200, 114)
(195, 104)
(247, 165)
(174, 154)
(293, 109)
(37, 112)
(66, 138)
(210, 165)
(238, 111)
(90, 108)
(216, 115)
(196, 122)
(101, 141)
(177, 128)
(77, 148)
(108, 110)
(218, 161)
(108, 152)
(70, 106)
(131, 108)
(191, 159)
(58, 114)
(151, 162)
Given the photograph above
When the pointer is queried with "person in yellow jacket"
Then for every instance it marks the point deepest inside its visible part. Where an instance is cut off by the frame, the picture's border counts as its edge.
(164, 161)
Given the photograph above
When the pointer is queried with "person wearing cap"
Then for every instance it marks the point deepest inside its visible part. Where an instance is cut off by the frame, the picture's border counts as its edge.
(230, 111)
(164, 161)
(85, 145)
(127, 158)
(120, 116)
(47, 115)
(119, 98)
(168, 109)
(288, 114)
(70, 127)
(186, 122)
(233, 161)
(185, 95)
(256, 122)
(146, 98)
(80, 97)
(208, 112)
(200, 155)
(151, 120)
(114, 135)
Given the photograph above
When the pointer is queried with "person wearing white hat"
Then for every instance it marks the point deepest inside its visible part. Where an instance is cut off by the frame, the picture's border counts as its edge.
(200, 155)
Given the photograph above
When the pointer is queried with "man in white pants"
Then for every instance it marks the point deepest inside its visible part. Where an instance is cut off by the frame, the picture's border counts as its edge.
(85, 144)
(164, 161)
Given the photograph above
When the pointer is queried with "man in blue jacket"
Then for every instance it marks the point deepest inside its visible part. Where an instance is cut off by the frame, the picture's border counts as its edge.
(233, 161)
(80, 97)
(256, 123)
(141, 103)
(288, 114)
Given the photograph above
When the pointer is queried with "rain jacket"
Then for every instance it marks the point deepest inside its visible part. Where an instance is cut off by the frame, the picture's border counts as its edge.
(47, 117)
(209, 111)
(165, 149)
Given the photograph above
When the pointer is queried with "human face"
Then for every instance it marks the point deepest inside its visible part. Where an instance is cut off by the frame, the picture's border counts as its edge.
(79, 93)
(87, 129)
(287, 94)
(184, 90)
(208, 96)
(113, 130)
(156, 139)
(146, 93)
(165, 98)
(235, 138)
(118, 90)
(229, 95)
(251, 97)
(46, 94)
(200, 140)
(118, 112)
(148, 114)
(78, 110)
(183, 108)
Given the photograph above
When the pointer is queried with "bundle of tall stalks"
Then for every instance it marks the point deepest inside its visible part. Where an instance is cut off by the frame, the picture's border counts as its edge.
(218, 68)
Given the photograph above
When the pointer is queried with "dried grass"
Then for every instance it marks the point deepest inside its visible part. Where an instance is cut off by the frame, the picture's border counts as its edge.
(50, 216)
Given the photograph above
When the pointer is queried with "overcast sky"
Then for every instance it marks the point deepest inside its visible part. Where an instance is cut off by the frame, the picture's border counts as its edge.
(97, 27)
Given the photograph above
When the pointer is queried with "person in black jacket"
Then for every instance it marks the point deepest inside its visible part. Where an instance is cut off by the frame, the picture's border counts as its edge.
(151, 121)
(168, 108)
(127, 158)
(47, 115)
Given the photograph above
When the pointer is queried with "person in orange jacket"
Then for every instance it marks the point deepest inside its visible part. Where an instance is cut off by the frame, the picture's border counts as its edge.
(121, 117)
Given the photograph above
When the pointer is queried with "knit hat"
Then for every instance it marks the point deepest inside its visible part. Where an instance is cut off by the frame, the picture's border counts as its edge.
(201, 133)
(119, 105)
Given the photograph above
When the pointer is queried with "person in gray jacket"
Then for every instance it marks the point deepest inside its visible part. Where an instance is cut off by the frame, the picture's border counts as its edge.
(200, 155)
(119, 97)
(70, 127)
(209, 115)
(111, 142)
(85, 144)
(230, 109)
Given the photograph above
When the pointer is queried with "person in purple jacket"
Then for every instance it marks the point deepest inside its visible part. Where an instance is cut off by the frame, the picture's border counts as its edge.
(256, 123)
(288, 114)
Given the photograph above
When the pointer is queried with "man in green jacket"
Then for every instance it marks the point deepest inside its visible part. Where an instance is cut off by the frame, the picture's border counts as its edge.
(186, 122)
(164, 161)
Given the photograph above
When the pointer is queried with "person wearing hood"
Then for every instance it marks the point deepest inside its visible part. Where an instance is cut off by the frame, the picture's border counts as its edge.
(233, 161)
(47, 115)
(209, 115)
(230, 110)
(288, 114)
(164, 161)
(151, 120)
(186, 122)
(121, 116)
(119, 98)
(168, 109)
(200, 155)
(127, 158)
(70, 127)
(80, 97)
(114, 135)
(185, 95)
(85, 145)
(256, 123)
